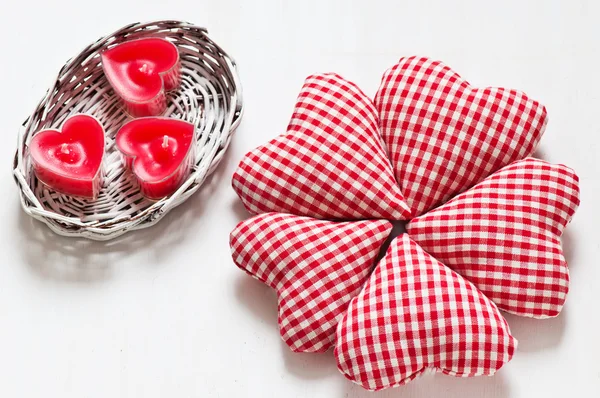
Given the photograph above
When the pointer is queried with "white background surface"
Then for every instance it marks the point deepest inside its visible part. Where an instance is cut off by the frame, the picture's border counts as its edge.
(165, 313)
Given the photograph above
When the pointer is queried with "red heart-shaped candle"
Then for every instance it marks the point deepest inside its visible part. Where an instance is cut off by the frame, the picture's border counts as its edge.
(70, 161)
(140, 71)
(159, 151)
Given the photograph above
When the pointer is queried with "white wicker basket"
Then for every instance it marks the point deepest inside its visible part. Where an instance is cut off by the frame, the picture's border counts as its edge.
(210, 97)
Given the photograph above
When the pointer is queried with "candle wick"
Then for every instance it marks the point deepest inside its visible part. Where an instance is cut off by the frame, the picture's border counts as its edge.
(165, 143)
(145, 69)
(64, 148)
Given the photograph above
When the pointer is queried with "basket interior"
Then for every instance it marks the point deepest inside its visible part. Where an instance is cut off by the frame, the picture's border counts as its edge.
(207, 98)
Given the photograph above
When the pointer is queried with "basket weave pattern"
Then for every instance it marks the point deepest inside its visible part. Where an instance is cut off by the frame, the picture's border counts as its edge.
(209, 97)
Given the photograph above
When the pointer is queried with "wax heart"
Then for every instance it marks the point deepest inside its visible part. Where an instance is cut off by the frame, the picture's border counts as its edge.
(445, 136)
(504, 236)
(159, 151)
(70, 160)
(415, 314)
(140, 71)
(315, 266)
(330, 164)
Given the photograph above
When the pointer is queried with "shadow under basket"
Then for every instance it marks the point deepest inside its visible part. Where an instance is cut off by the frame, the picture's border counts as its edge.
(210, 97)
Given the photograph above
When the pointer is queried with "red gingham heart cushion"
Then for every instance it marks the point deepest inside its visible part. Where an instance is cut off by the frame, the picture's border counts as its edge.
(433, 301)
(330, 164)
(444, 136)
(316, 266)
(415, 314)
(504, 236)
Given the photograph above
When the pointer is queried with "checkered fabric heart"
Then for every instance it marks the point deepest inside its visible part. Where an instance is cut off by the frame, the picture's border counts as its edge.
(331, 163)
(504, 236)
(315, 266)
(445, 136)
(433, 301)
(415, 314)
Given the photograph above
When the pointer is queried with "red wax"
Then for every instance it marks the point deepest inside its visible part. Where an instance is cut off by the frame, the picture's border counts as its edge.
(159, 152)
(140, 71)
(70, 161)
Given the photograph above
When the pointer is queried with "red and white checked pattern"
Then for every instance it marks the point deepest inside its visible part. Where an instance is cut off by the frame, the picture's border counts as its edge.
(504, 236)
(316, 266)
(444, 136)
(415, 314)
(330, 164)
